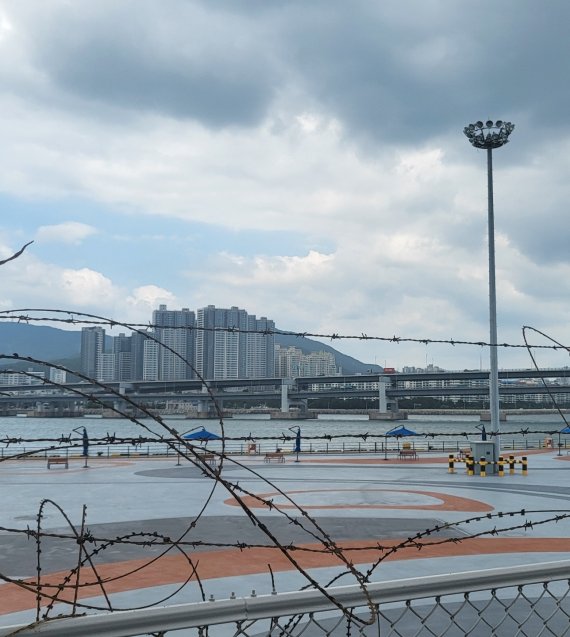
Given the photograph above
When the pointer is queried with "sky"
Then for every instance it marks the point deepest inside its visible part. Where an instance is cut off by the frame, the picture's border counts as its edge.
(301, 159)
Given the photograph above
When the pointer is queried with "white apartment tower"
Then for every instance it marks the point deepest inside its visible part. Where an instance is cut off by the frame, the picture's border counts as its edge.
(92, 348)
(290, 362)
(230, 343)
(174, 330)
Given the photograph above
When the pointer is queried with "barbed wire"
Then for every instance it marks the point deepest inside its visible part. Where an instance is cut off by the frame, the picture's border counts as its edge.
(190, 453)
(73, 318)
(68, 442)
(88, 573)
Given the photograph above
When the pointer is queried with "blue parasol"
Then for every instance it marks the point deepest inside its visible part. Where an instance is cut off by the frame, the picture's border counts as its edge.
(397, 432)
(400, 432)
(202, 434)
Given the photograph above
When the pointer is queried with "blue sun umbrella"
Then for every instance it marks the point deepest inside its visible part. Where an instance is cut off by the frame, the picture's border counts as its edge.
(400, 432)
(397, 432)
(202, 434)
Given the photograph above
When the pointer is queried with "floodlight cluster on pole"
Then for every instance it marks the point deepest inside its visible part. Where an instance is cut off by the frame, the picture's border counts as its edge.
(487, 136)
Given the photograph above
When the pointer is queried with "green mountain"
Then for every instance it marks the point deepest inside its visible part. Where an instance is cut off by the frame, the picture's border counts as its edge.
(39, 341)
(52, 344)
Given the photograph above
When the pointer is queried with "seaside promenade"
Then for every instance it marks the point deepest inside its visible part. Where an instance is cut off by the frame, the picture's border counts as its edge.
(360, 501)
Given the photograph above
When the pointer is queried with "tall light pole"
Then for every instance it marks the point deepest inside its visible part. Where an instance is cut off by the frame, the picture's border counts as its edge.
(487, 137)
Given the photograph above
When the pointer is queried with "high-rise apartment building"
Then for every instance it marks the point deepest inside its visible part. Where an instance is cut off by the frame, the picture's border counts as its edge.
(138, 340)
(290, 362)
(92, 348)
(230, 343)
(176, 353)
(318, 364)
(58, 376)
(151, 354)
(218, 343)
(122, 357)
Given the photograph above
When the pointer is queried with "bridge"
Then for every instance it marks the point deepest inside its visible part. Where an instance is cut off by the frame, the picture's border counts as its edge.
(386, 388)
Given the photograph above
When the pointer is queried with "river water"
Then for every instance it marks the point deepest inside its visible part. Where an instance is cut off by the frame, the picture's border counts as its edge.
(324, 434)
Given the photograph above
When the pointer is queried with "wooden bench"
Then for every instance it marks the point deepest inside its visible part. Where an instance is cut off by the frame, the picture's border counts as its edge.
(209, 458)
(274, 455)
(408, 453)
(465, 453)
(57, 460)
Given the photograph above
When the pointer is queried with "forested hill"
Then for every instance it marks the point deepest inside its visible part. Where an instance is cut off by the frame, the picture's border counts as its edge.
(53, 344)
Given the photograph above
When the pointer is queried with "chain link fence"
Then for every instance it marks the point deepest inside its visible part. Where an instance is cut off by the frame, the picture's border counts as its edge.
(525, 601)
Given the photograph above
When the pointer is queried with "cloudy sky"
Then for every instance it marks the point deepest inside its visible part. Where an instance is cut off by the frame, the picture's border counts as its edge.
(301, 159)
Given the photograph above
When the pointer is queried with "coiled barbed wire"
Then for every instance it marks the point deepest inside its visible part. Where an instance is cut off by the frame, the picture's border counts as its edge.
(91, 546)
(80, 318)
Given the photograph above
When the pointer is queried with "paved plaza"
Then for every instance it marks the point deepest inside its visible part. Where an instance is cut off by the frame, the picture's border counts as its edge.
(357, 500)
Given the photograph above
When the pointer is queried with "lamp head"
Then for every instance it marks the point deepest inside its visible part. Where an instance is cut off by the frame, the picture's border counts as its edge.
(489, 135)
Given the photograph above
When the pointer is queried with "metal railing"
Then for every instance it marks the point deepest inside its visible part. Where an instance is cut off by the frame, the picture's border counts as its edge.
(238, 448)
(522, 601)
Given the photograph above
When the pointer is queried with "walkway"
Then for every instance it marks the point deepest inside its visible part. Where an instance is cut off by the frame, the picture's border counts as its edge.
(367, 506)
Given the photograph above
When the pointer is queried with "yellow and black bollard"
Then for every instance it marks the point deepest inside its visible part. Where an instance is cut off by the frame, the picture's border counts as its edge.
(511, 465)
(524, 466)
(451, 460)
(470, 465)
(501, 467)
(483, 465)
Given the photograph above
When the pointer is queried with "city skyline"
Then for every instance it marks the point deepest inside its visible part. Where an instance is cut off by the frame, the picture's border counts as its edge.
(220, 343)
(313, 169)
(183, 344)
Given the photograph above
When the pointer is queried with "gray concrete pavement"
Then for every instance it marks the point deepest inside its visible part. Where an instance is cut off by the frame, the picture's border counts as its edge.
(351, 500)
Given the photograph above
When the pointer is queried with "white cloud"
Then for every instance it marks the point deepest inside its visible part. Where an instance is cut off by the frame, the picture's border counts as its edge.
(72, 232)
(143, 300)
(352, 146)
(82, 287)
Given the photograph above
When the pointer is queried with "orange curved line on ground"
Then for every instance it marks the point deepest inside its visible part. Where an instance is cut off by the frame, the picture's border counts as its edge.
(447, 502)
(233, 562)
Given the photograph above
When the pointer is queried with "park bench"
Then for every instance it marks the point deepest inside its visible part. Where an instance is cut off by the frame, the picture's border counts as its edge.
(57, 460)
(408, 453)
(209, 458)
(274, 455)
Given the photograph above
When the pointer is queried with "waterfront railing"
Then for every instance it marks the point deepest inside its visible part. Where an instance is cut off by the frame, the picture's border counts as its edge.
(234, 448)
(519, 600)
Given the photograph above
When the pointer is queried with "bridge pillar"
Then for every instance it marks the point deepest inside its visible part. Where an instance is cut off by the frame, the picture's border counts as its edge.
(203, 403)
(382, 400)
(123, 387)
(285, 384)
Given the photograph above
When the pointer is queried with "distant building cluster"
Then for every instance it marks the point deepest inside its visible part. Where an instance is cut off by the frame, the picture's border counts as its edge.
(291, 362)
(218, 344)
(33, 377)
(168, 351)
(465, 400)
